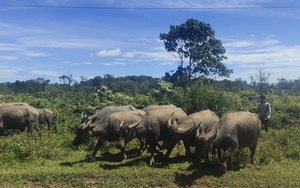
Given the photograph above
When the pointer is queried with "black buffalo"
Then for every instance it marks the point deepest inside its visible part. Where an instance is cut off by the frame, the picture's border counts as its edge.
(107, 128)
(46, 116)
(187, 130)
(105, 111)
(19, 118)
(152, 127)
(234, 130)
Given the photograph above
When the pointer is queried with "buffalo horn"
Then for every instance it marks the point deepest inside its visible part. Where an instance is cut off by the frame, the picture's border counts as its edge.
(184, 130)
(170, 124)
(85, 126)
(211, 135)
(82, 115)
(200, 129)
(208, 137)
(169, 121)
(133, 125)
(121, 124)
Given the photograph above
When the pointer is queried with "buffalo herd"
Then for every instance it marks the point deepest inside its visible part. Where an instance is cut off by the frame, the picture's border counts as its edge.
(20, 116)
(157, 127)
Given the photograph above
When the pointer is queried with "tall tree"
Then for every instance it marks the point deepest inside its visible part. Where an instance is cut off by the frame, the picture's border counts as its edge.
(261, 79)
(195, 42)
(67, 80)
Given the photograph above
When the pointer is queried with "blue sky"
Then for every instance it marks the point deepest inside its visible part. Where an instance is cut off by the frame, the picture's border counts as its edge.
(52, 38)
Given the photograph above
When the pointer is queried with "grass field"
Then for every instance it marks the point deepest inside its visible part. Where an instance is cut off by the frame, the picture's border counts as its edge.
(63, 166)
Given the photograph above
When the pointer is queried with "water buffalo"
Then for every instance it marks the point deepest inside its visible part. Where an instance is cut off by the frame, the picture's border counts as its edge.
(107, 128)
(155, 107)
(104, 111)
(153, 127)
(14, 104)
(187, 130)
(19, 118)
(234, 129)
(46, 116)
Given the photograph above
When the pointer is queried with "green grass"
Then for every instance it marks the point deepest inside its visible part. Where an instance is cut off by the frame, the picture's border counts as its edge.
(52, 162)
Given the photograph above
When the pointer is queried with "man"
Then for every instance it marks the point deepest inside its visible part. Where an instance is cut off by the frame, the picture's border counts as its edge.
(264, 112)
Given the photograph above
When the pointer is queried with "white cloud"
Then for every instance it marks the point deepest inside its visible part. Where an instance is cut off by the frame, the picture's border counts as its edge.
(109, 53)
(46, 42)
(249, 56)
(114, 63)
(71, 63)
(10, 47)
(108, 64)
(237, 44)
(115, 52)
(8, 71)
(87, 63)
(36, 54)
(44, 73)
(167, 63)
(128, 54)
(9, 58)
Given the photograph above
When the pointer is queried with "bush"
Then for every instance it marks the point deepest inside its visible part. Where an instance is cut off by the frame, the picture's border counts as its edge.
(278, 144)
(24, 148)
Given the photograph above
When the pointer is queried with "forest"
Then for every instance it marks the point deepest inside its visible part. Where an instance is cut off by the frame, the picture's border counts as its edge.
(68, 101)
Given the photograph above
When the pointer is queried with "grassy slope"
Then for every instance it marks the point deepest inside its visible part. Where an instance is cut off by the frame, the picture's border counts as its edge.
(106, 170)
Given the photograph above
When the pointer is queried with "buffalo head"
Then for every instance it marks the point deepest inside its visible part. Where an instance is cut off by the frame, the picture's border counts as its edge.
(176, 132)
(203, 143)
(127, 133)
(83, 133)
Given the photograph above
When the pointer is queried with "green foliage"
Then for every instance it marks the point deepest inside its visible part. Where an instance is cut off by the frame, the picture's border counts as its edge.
(196, 42)
(24, 148)
(284, 143)
(51, 160)
(199, 97)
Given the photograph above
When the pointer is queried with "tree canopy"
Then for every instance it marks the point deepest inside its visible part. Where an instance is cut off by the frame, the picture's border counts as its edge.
(195, 42)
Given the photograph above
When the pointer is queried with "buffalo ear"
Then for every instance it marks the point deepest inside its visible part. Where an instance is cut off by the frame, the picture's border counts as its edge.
(211, 137)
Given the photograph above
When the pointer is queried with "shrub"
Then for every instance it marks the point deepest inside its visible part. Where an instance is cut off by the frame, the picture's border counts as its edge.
(24, 148)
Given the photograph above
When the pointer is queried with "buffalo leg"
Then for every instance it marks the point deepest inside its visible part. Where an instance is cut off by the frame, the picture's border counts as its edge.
(124, 154)
(98, 145)
(1, 127)
(252, 153)
(167, 154)
(188, 152)
(33, 125)
(38, 130)
(226, 156)
(153, 147)
(54, 126)
(143, 146)
(219, 154)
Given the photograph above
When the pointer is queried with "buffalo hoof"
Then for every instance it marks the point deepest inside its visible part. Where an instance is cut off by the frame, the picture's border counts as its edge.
(142, 152)
(152, 161)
